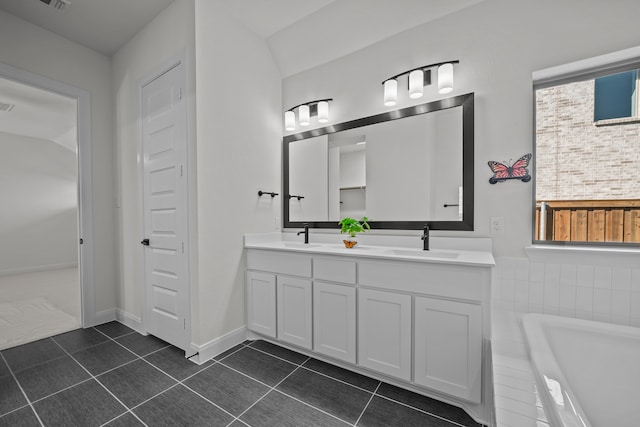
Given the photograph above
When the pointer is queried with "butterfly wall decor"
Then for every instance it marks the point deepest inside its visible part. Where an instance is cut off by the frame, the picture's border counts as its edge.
(518, 170)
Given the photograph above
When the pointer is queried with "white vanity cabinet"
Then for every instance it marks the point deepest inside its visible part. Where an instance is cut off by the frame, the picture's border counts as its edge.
(261, 303)
(294, 310)
(279, 296)
(448, 347)
(334, 320)
(384, 332)
(334, 307)
(414, 322)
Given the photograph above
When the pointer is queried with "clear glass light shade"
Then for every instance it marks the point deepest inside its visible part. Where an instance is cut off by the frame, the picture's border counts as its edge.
(445, 78)
(416, 84)
(323, 112)
(303, 115)
(390, 92)
(289, 120)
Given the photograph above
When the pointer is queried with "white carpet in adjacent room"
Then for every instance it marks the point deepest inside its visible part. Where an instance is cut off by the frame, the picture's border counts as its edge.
(32, 319)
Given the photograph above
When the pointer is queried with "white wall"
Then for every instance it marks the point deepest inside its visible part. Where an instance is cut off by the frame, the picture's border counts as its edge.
(499, 44)
(39, 217)
(38, 51)
(239, 137)
(146, 54)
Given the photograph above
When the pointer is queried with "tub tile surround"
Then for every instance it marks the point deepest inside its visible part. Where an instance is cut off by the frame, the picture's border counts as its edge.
(591, 285)
(600, 285)
(516, 397)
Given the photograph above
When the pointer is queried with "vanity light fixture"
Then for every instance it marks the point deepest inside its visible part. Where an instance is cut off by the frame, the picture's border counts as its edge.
(319, 107)
(418, 79)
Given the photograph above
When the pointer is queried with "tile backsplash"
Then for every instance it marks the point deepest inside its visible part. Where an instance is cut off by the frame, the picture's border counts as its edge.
(572, 286)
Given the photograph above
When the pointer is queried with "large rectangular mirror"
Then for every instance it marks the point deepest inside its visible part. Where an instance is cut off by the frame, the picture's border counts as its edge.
(402, 169)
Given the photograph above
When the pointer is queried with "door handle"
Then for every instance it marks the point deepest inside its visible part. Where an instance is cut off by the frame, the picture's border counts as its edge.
(145, 242)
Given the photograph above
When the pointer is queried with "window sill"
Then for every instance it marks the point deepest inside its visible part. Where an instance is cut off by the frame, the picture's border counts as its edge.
(619, 121)
(582, 254)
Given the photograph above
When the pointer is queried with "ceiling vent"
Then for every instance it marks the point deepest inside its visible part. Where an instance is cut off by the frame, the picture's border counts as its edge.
(59, 5)
(6, 107)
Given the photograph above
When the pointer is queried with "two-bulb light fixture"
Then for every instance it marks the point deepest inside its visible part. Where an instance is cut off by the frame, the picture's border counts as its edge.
(319, 107)
(418, 79)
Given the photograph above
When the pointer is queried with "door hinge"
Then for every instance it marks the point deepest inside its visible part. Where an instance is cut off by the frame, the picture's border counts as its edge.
(181, 171)
(182, 247)
(81, 241)
(180, 93)
(184, 323)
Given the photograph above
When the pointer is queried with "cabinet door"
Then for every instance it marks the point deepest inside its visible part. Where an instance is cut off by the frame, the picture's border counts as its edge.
(334, 321)
(448, 347)
(261, 303)
(294, 311)
(384, 327)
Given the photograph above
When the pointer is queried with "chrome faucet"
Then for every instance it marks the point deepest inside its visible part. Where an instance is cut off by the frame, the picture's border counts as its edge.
(425, 238)
(306, 233)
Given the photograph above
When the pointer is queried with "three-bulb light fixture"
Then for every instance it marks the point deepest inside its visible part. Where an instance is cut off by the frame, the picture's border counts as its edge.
(418, 79)
(319, 107)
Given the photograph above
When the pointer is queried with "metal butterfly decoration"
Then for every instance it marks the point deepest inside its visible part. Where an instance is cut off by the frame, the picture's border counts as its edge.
(518, 170)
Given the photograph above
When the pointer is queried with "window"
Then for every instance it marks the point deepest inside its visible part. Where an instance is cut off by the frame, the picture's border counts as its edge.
(587, 159)
(615, 95)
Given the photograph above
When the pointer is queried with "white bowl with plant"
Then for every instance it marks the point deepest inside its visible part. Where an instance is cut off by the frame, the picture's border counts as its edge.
(352, 227)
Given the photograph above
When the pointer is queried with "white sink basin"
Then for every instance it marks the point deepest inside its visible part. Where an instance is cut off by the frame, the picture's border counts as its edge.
(422, 254)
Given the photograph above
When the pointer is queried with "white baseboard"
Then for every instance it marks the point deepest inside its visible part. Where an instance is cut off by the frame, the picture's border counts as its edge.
(37, 269)
(218, 345)
(128, 319)
(103, 316)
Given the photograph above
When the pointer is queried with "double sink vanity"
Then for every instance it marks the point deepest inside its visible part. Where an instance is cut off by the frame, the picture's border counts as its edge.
(388, 309)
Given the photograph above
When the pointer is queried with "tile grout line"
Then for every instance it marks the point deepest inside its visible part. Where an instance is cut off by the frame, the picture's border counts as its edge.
(22, 390)
(341, 381)
(359, 388)
(368, 403)
(178, 382)
(273, 389)
(422, 410)
(98, 381)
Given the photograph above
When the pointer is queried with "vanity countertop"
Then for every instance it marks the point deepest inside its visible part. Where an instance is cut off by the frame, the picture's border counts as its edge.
(400, 253)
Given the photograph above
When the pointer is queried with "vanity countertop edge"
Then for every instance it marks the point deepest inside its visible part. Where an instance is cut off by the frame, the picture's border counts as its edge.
(270, 241)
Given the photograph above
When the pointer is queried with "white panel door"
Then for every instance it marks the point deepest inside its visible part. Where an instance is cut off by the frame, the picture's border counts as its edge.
(448, 347)
(334, 321)
(164, 142)
(384, 332)
(261, 303)
(294, 310)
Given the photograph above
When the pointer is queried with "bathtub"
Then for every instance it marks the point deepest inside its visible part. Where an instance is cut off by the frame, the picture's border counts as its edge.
(588, 372)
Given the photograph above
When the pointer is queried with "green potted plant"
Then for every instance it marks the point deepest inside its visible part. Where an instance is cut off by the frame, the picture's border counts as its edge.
(351, 227)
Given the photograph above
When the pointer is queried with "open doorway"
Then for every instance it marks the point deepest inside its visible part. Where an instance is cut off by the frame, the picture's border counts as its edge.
(40, 287)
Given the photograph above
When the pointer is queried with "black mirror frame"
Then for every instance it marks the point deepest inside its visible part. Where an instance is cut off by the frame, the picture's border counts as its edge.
(467, 103)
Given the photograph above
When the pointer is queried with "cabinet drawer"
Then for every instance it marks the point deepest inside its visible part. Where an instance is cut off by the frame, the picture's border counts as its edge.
(452, 281)
(335, 270)
(279, 262)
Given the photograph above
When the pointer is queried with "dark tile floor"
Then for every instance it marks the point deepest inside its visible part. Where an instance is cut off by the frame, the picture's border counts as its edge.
(112, 376)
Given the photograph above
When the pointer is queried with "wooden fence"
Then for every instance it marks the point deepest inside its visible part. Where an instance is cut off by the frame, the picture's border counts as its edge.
(588, 220)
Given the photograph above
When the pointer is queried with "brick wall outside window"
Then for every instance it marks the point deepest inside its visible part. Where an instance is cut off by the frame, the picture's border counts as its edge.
(577, 160)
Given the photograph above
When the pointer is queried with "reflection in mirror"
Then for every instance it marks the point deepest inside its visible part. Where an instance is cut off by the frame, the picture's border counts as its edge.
(401, 173)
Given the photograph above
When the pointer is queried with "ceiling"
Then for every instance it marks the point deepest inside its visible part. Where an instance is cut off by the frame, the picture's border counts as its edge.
(301, 34)
(102, 25)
